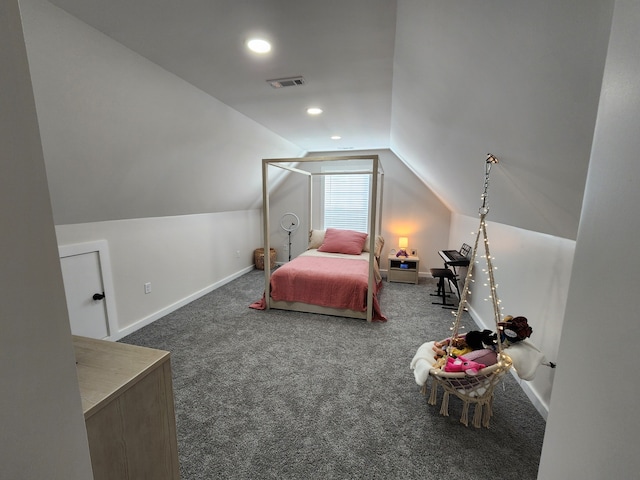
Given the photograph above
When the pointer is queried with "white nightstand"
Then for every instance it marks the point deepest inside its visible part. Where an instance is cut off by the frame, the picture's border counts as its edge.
(403, 269)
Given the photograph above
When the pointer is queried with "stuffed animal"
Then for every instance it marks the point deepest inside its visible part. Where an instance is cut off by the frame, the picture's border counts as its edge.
(486, 356)
(513, 330)
(461, 364)
(463, 344)
(458, 347)
(477, 340)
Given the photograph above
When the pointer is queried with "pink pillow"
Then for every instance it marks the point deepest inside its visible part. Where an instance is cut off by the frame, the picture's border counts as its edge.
(484, 355)
(343, 241)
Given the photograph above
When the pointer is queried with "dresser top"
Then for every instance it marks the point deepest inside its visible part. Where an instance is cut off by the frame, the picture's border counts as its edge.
(106, 369)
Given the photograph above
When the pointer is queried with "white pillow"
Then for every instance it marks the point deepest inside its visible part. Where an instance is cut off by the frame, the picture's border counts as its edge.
(379, 245)
(316, 237)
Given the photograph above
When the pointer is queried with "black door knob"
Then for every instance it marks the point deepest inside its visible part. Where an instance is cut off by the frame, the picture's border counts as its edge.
(98, 296)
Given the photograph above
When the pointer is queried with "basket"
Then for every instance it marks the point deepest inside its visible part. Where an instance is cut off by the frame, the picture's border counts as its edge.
(258, 257)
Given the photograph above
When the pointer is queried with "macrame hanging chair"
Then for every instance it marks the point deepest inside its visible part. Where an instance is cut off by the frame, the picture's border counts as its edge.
(473, 389)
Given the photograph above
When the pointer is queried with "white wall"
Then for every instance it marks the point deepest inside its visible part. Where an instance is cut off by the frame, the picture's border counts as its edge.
(592, 430)
(183, 257)
(124, 138)
(409, 209)
(42, 433)
(516, 78)
(533, 273)
(292, 195)
(168, 175)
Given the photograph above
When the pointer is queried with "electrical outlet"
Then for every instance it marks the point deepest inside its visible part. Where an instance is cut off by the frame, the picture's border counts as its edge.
(285, 247)
(237, 253)
(147, 287)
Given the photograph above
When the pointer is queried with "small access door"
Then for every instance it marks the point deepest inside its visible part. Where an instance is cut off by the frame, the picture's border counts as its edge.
(84, 286)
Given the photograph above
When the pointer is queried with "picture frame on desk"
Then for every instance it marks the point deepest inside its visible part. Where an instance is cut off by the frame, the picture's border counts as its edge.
(413, 252)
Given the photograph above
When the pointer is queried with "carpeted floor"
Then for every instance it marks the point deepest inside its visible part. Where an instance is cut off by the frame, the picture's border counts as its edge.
(285, 395)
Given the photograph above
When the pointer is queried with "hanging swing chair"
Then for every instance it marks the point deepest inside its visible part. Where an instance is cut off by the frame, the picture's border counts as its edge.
(474, 389)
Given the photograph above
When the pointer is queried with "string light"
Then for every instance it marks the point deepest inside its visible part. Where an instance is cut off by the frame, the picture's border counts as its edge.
(487, 270)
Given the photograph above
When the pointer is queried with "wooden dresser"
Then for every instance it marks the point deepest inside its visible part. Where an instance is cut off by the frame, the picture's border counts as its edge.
(127, 399)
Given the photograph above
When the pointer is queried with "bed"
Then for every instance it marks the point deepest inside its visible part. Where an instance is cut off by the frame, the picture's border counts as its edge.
(338, 274)
(327, 282)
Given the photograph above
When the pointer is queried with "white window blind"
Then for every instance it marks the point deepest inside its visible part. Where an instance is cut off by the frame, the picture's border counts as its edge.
(346, 201)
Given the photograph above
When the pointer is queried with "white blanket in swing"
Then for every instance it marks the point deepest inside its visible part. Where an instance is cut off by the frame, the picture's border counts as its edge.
(525, 356)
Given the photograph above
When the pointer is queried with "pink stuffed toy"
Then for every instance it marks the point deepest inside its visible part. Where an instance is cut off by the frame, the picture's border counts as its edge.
(461, 364)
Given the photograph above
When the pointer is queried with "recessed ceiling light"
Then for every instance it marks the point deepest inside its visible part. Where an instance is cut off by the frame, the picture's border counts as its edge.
(314, 111)
(335, 137)
(258, 45)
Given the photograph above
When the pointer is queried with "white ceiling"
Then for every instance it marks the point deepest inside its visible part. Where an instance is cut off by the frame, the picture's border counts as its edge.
(441, 84)
(343, 49)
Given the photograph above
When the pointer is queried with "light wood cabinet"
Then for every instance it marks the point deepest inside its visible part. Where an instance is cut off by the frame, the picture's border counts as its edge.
(127, 399)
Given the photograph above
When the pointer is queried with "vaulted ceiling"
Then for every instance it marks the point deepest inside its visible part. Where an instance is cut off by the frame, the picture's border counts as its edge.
(343, 49)
(439, 83)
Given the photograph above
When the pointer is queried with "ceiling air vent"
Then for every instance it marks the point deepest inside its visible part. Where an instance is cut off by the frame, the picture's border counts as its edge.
(286, 82)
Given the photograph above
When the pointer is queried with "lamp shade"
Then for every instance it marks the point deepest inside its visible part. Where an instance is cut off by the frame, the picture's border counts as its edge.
(403, 242)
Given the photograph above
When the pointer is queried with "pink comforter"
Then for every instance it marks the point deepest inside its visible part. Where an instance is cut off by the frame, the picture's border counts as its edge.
(329, 282)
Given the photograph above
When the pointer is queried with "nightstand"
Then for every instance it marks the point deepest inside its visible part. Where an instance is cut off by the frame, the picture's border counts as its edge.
(403, 269)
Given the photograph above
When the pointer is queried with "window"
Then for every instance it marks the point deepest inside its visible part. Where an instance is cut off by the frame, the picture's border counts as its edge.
(346, 201)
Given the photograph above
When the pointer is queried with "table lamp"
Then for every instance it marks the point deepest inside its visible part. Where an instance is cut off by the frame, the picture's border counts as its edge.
(403, 243)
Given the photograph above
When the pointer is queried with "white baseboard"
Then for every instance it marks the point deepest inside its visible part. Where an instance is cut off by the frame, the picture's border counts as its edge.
(534, 397)
(174, 306)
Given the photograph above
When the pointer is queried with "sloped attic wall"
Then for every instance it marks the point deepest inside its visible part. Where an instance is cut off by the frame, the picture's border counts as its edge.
(515, 78)
(124, 138)
(520, 80)
(166, 174)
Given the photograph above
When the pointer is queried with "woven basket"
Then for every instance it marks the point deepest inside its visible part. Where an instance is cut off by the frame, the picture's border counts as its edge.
(258, 257)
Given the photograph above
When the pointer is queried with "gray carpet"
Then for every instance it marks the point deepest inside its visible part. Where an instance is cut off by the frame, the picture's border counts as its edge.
(275, 394)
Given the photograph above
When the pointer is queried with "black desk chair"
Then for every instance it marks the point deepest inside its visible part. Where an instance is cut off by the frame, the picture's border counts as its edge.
(444, 275)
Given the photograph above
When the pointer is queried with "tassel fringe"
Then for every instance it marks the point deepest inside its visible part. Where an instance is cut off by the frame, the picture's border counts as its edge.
(433, 398)
(444, 408)
(481, 397)
(477, 415)
(465, 414)
(487, 415)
